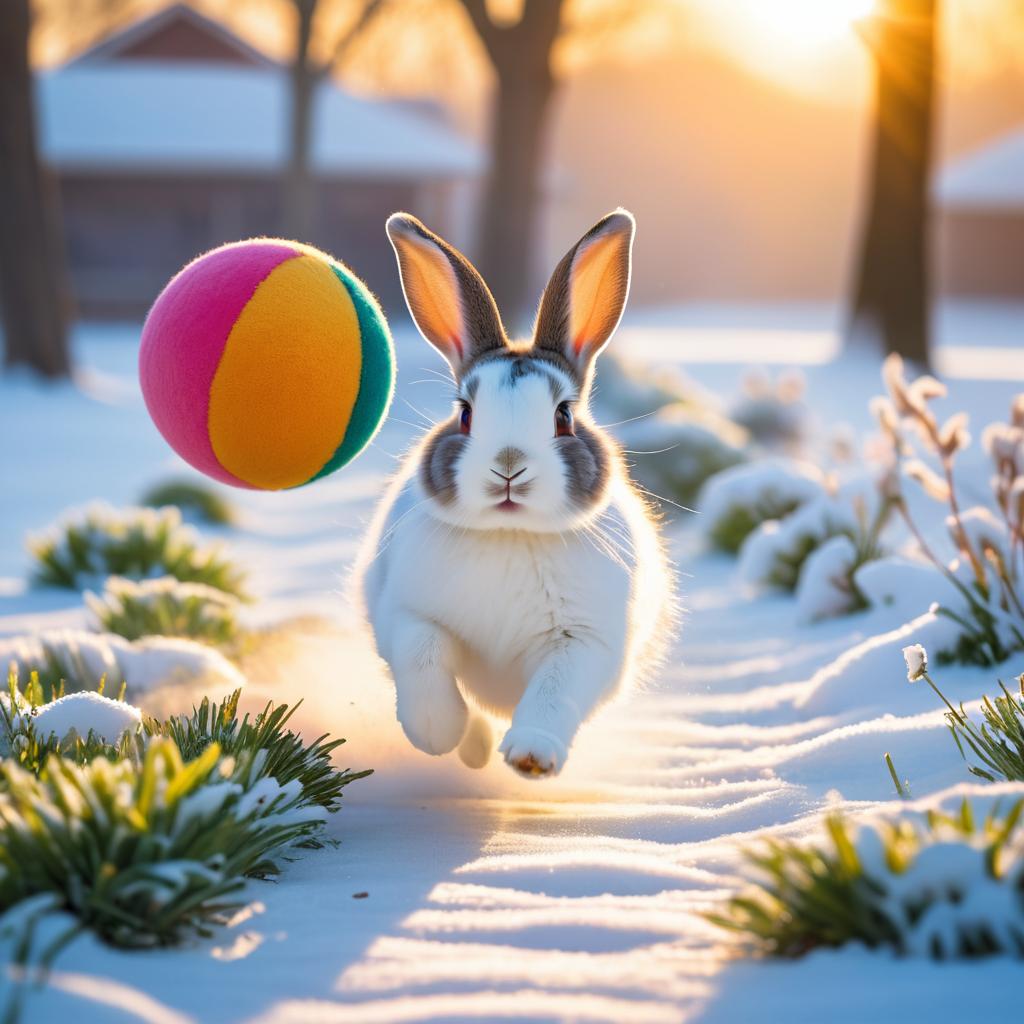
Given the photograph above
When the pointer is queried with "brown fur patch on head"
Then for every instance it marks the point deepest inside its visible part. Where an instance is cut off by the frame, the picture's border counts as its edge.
(589, 456)
(442, 449)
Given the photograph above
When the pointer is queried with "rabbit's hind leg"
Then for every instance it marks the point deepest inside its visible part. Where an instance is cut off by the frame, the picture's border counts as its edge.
(430, 707)
(478, 743)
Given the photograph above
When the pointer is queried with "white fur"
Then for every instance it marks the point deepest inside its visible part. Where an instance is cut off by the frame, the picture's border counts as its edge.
(538, 614)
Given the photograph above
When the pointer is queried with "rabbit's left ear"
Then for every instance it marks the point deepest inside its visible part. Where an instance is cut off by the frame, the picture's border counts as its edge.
(584, 299)
(448, 300)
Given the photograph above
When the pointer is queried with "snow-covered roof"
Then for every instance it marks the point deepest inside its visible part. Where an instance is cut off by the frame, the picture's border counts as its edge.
(991, 177)
(152, 26)
(184, 116)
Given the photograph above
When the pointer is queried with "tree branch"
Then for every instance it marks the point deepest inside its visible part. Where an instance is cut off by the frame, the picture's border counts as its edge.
(489, 33)
(348, 37)
(541, 21)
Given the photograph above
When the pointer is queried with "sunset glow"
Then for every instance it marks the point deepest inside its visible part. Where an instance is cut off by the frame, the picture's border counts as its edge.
(809, 46)
(801, 26)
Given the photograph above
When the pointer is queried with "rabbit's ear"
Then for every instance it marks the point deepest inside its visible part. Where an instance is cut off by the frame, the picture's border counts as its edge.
(584, 299)
(448, 300)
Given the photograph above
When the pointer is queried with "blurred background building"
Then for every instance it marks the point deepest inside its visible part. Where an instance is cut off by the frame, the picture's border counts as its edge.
(170, 137)
(981, 225)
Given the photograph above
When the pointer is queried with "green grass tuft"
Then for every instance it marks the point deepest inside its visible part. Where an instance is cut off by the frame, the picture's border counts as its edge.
(143, 853)
(148, 839)
(139, 543)
(203, 502)
(730, 531)
(997, 743)
(903, 885)
(165, 607)
(273, 750)
(279, 752)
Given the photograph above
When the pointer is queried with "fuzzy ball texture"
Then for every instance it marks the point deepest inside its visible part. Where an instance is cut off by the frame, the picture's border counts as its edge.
(266, 364)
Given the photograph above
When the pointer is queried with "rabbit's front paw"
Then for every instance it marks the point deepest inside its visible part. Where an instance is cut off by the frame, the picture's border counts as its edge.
(533, 752)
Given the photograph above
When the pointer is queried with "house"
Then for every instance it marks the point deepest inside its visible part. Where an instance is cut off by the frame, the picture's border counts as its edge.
(980, 201)
(170, 137)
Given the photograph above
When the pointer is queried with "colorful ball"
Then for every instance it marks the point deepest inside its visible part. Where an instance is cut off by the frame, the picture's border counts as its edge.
(266, 364)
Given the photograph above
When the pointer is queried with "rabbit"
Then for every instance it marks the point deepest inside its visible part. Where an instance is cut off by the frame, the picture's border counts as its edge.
(512, 565)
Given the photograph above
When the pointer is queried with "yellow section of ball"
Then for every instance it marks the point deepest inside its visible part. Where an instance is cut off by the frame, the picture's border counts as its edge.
(288, 377)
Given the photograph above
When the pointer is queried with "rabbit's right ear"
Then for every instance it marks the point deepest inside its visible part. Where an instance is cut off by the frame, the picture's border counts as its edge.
(584, 299)
(449, 302)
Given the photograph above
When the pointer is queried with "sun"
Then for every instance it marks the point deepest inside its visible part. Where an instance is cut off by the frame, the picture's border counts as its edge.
(810, 46)
(800, 26)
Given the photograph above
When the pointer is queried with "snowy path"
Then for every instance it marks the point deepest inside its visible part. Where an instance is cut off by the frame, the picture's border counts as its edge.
(491, 898)
(583, 899)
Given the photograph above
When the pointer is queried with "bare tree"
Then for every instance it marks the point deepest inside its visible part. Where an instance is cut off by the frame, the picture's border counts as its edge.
(33, 288)
(891, 292)
(35, 292)
(306, 73)
(520, 54)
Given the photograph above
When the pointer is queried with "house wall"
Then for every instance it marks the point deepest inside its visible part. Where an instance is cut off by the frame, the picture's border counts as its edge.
(126, 235)
(980, 254)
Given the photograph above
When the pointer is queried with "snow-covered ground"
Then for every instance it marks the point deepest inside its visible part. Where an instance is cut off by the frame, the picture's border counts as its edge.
(493, 898)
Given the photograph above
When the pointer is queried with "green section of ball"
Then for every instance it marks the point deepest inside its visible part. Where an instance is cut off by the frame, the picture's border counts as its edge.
(376, 376)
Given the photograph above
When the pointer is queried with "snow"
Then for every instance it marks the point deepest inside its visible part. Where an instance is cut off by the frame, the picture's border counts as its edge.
(86, 658)
(85, 713)
(823, 590)
(904, 586)
(812, 523)
(768, 484)
(191, 116)
(916, 658)
(581, 898)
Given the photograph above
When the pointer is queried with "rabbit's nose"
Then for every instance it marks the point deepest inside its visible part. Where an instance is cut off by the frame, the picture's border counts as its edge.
(509, 460)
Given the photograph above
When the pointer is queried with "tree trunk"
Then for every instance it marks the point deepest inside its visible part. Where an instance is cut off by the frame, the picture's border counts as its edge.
(521, 56)
(891, 295)
(299, 205)
(514, 188)
(32, 270)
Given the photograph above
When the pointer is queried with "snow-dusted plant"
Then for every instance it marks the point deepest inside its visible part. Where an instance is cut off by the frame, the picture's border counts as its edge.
(194, 499)
(81, 660)
(773, 411)
(937, 885)
(624, 390)
(164, 607)
(82, 726)
(273, 749)
(143, 854)
(987, 573)
(734, 502)
(673, 452)
(140, 543)
(828, 584)
(998, 742)
(827, 587)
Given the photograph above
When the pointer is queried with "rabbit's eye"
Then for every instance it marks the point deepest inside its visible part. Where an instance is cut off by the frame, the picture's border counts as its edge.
(564, 424)
(466, 418)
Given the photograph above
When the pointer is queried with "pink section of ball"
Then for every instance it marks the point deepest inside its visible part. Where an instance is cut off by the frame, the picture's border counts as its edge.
(184, 337)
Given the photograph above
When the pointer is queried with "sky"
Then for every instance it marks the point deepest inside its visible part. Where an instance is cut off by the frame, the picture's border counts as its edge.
(807, 45)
